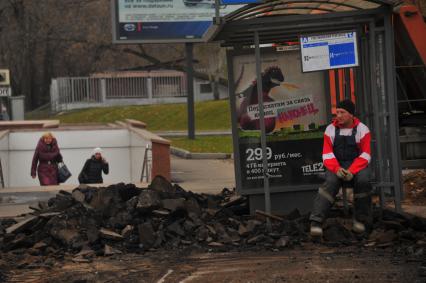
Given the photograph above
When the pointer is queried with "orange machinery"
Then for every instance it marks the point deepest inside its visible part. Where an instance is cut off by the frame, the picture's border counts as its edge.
(410, 57)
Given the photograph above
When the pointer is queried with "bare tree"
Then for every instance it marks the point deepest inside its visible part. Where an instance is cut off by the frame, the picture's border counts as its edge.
(43, 39)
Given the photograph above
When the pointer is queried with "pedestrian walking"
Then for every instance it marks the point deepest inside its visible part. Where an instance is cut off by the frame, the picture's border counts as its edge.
(93, 168)
(45, 160)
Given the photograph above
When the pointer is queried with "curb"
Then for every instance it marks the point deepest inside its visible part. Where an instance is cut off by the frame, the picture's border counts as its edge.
(184, 133)
(191, 155)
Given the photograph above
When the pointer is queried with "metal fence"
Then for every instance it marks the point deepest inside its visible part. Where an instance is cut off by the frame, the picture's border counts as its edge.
(104, 88)
(170, 86)
(78, 90)
(127, 87)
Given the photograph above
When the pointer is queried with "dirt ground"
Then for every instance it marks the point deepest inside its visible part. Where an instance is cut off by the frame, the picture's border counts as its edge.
(415, 187)
(311, 262)
(357, 261)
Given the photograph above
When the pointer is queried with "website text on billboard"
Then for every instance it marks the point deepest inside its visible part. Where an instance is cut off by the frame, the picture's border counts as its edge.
(164, 20)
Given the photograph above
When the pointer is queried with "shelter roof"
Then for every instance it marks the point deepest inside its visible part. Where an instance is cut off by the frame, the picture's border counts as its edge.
(283, 20)
(272, 8)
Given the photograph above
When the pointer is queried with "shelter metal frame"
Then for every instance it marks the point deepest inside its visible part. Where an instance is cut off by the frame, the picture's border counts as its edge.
(375, 82)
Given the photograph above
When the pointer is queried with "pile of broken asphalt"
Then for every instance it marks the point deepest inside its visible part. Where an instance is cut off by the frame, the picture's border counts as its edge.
(415, 187)
(122, 218)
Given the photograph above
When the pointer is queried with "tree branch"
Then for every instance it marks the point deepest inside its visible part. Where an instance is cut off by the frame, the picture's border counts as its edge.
(142, 55)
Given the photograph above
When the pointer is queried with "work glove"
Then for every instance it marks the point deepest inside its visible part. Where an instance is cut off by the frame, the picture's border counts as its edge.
(341, 173)
(348, 175)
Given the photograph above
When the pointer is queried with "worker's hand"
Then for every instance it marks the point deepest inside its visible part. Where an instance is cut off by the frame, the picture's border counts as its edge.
(348, 175)
(33, 176)
(341, 173)
(104, 160)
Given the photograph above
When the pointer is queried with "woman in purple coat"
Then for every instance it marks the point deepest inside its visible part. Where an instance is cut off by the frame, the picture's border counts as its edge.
(46, 156)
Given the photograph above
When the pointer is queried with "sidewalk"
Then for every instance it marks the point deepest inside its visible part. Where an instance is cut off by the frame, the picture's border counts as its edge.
(200, 176)
(196, 175)
(203, 175)
(17, 200)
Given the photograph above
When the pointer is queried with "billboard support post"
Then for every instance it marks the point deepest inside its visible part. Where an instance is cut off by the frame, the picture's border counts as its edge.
(189, 47)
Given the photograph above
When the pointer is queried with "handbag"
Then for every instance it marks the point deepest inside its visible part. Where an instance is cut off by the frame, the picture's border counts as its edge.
(63, 173)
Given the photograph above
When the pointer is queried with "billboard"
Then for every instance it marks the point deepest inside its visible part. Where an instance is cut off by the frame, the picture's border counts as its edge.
(164, 21)
(295, 118)
(329, 51)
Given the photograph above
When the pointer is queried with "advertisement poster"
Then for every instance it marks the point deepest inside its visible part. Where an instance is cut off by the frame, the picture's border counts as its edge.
(295, 119)
(166, 19)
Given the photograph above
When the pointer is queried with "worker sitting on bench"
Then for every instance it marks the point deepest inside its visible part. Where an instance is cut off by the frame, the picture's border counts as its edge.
(346, 155)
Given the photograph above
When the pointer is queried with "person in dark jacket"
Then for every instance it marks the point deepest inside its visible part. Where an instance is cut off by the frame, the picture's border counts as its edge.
(45, 160)
(92, 169)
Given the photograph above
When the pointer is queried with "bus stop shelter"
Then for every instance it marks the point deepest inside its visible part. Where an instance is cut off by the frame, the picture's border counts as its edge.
(283, 91)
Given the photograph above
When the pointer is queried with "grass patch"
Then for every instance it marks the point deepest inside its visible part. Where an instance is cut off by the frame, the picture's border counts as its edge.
(214, 144)
(209, 115)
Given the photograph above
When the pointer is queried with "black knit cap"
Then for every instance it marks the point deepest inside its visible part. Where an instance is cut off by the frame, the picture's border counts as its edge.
(348, 105)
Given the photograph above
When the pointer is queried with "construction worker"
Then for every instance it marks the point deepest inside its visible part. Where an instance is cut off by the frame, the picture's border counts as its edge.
(346, 155)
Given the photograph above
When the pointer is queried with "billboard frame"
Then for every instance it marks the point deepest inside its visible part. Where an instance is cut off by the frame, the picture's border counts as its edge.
(210, 33)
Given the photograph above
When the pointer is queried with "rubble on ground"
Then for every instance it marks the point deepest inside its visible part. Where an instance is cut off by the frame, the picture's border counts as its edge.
(415, 187)
(3, 268)
(122, 218)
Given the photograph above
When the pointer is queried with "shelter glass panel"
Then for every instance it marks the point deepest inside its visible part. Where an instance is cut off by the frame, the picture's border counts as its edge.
(295, 119)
